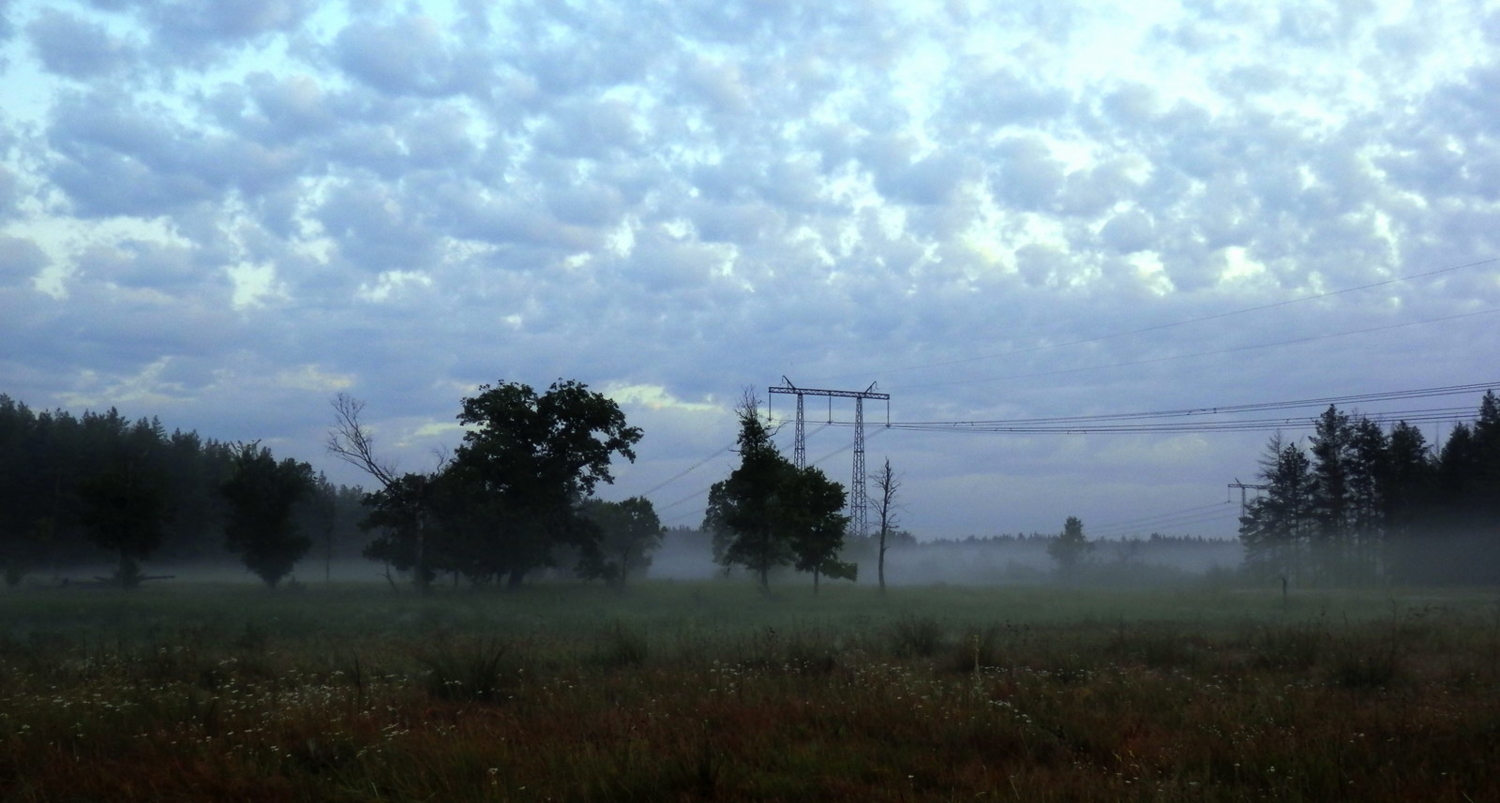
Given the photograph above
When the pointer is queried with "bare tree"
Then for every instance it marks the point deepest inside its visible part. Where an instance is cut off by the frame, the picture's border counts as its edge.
(887, 483)
(350, 442)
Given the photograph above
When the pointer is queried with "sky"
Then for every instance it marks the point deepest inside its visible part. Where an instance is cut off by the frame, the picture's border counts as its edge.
(223, 214)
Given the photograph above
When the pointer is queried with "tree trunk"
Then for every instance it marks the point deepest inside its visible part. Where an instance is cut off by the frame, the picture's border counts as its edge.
(130, 574)
(515, 578)
(419, 570)
(880, 564)
(815, 582)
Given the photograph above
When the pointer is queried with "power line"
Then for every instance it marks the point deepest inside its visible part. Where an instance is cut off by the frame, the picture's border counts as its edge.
(1168, 524)
(1137, 521)
(1190, 419)
(1353, 398)
(1174, 324)
(705, 489)
(686, 471)
(1232, 350)
(1435, 415)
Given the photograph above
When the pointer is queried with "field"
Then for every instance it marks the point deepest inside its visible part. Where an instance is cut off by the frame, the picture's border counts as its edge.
(689, 691)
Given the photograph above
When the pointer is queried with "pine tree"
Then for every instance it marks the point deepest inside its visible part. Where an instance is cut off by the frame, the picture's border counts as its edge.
(1276, 527)
(1332, 455)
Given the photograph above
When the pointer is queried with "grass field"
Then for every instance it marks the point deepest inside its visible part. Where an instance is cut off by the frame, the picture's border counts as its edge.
(686, 691)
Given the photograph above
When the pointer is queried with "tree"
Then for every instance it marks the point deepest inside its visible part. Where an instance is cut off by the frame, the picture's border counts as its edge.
(1276, 525)
(887, 484)
(1069, 548)
(262, 494)
(629, 532)
(1369, 465)
(125, 512)
(1332, 446)
(741, 510)
(807, 509)
(538, 457)
(400, 504)
(400, 511)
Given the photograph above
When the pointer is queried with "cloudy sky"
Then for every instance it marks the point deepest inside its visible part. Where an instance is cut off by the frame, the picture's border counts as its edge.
(224, 213)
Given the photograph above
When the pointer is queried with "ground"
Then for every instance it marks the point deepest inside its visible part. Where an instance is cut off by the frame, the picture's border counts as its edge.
(689, 691)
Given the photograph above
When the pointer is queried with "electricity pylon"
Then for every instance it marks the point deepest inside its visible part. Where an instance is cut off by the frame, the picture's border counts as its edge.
(857, 500)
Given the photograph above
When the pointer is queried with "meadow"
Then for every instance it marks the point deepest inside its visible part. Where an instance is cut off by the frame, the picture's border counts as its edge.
(709, 690)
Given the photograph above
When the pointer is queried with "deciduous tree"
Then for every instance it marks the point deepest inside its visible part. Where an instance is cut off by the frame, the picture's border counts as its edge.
(629, 532)
(539, 456)
(262, 494)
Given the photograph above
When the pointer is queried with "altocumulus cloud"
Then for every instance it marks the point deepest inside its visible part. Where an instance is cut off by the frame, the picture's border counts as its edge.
(223, 212)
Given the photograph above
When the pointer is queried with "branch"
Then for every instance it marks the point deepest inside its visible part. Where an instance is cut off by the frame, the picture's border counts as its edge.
(349, 441)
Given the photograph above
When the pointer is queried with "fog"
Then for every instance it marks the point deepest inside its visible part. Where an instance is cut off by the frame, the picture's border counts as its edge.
(688, 555)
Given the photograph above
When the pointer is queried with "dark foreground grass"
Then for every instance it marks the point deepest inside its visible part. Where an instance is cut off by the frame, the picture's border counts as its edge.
(709, 691)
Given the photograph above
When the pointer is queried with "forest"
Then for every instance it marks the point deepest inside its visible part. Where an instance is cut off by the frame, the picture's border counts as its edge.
(1360, 504)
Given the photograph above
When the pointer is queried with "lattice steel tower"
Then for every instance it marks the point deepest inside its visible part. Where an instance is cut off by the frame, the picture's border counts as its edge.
(857, 500)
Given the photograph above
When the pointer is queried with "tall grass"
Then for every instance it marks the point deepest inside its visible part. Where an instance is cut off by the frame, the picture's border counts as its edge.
(688, 692)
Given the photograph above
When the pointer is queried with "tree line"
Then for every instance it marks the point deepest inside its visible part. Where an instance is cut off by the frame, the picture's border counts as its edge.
(81, 490)
(1361, 504)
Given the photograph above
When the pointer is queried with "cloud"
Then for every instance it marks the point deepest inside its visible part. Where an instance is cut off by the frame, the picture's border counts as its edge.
(681, 198)
(113, 159)
(1128, 232)
(410, 56)
(76, 48)
(590, 130)
(202, 33)
(9, 193)
(20, 261)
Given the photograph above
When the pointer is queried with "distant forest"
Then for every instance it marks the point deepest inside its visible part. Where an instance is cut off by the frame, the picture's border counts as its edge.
(51, 463)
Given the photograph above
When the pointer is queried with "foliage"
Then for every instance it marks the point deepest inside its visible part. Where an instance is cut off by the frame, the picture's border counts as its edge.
(629, 532)
(398, 512)
(58, 473)
(808, 510)
(124, 512)
(1366, 504)
(263, 495)
(536, 457)
(1282, 518)
(769, 513)
(1071, 547)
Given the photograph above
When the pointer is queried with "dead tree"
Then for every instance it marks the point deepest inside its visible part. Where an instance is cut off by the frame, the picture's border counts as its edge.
(887, 483)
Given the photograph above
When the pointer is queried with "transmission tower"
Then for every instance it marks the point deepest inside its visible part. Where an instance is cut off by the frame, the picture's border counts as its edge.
(1244, 486)
(857, 500)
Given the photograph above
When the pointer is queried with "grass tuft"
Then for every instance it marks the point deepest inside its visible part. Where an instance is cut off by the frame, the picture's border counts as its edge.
(469, 669)
(917, 637)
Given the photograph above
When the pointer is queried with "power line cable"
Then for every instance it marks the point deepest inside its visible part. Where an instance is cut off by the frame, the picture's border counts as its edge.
(1229, 409)
(1167, 524)
(1132, 522)
(1435, 415)
(1141, 422)
(685, 472)
(1174, 324)
(1232, 350)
